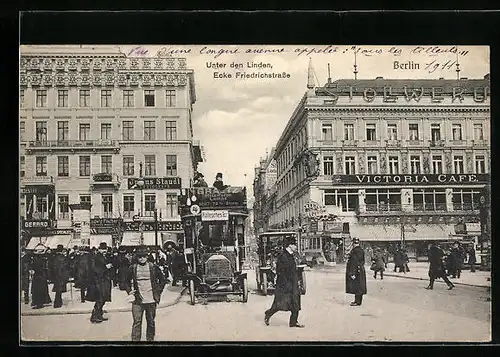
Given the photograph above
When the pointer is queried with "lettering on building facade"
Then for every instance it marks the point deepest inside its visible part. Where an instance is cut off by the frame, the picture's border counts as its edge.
(412, 179)
(156, 183)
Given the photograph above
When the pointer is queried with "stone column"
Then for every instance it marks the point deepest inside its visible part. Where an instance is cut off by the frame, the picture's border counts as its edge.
(449, 199)
(407, 199)
(361, 198)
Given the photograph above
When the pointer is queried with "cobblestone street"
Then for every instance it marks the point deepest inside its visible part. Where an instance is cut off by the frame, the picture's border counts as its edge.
(395, 309)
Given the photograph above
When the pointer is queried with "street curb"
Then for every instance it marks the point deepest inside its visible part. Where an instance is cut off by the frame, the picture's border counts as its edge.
(88, 311)
(454, 283)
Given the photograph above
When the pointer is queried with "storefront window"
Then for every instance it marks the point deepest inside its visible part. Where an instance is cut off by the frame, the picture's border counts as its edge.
(383, 200)
(348, 199)
(429, 199)
(465, 199)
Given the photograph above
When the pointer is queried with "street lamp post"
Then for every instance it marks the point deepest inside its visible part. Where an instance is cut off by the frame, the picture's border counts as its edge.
(140, 184)
(156, 238)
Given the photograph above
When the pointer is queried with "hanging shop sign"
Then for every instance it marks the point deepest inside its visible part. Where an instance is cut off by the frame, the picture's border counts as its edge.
(105, 225)
(43, 223)
(156, 183)
(442, 179)
(212, 198)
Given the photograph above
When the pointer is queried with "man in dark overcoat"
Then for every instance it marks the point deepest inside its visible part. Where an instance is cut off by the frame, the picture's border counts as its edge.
(472, 259)
(287, 291)
(82, 271)
(355, 274)
(436, 267)
(59, 274)
(456, 256)
(25, 274)
(99, 290)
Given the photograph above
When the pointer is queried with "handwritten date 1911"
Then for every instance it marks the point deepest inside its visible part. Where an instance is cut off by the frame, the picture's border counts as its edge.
(435, 65)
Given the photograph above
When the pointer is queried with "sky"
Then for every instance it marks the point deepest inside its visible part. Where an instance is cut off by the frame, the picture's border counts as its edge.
(238, 120)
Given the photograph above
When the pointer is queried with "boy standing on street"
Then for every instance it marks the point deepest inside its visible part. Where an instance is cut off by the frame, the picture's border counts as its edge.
(144, 284)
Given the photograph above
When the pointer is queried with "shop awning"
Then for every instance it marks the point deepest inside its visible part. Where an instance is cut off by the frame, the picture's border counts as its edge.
(418, 232)
(54, 241)
(96, 239)
(35, 241)
(132, 239)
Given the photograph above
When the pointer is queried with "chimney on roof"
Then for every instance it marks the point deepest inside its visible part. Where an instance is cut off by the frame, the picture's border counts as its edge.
(329, 77)
(310, 75)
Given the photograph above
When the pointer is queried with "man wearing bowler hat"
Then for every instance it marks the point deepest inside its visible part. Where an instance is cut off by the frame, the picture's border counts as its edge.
(286, 293)
(60, 274)
(355, 274)
(144, 285)
(99, 290)
(219, 183)
(199, 180)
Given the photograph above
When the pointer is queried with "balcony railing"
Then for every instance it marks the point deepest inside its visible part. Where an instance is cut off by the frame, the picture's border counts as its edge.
(69, 144)
(465, 206)
(425, 207)
(479, 142)
(396, 207)
(393, 143)
(436, 143)
(105, 179)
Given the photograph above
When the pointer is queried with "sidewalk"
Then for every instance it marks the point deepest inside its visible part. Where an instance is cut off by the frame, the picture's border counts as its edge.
(72, 304)
(419, 271)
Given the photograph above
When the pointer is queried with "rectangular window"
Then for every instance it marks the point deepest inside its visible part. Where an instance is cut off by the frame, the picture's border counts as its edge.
(128, 206)
(458, 164)
(41, 131)
(149, 204)
(22, 131)
(85, 199)
(149, 130)
(62, 131)
(480, 164)
(349, 131)
(392, 131)
(171, 165)
(63, 166)
(41, 165)
(22, 166)
(41, 208)
(435, 132)
(107, 205)
(328, 165)
(350, 168)
(429, 199)
(106, 164)
(413, 129)
(84, 131)
(456, 131)
(84, 165)
(171, 130)
(105, 97)
(62, 98)
(149, 98)
(415, 164)
(393, 165)
(478, 132)
(105, 131)
(41, 98)
(171, 206)
(437, 164)
(346, 199)
(327, 132)
(383, 200)
(372, 165)
(63, 206)
(371, 132)
(128, 98)
(128, 165)
(21, 98)
(84, 99)
(150, 165)
(465, 199)
(128, 130)
(170, 98)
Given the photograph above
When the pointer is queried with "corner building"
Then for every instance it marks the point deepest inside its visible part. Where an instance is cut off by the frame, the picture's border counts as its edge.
(88, 118)
(395, 159)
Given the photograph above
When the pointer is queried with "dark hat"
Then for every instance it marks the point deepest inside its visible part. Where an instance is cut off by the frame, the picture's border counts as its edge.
(122, 250)
(59, 248)
(198, 175)
(218, 175)
(142, 251)
(103, 245)
(290, 240)
(355, 241)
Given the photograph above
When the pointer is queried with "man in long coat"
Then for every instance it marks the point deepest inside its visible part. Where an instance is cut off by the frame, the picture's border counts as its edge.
(457, 259)
(99, 290)
(436, 267)
(25, 274)
(59, 274)
(82, 271)
(287, 292)
(39, 285)
(472, 259)
(355, 275)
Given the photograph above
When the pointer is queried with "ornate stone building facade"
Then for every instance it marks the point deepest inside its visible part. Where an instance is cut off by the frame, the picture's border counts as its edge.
(397, 159)
(91, 119)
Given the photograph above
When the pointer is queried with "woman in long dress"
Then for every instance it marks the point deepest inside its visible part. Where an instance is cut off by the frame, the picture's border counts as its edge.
(40, 286)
